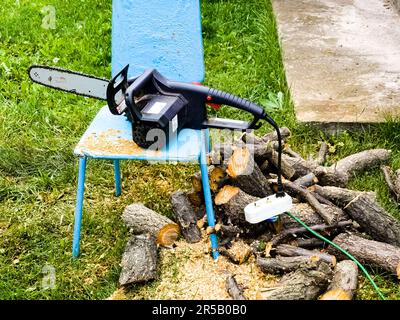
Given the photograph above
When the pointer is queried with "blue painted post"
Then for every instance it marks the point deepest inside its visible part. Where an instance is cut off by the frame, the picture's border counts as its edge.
(79, 207)
(207, 193)
(117, 176)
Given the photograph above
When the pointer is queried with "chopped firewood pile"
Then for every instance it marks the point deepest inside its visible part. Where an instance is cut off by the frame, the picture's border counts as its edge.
(243, 171)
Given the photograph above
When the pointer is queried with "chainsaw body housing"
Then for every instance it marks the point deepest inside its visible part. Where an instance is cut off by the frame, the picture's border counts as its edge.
(155, 104)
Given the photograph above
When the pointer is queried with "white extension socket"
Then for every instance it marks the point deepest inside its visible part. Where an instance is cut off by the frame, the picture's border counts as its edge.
(267, 208)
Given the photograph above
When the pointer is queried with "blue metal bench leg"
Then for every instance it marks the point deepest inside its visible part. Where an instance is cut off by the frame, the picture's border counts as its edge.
(79, 207)
(207, 194)
(117, 176)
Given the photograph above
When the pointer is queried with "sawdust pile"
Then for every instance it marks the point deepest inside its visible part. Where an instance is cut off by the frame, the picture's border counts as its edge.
(188, 272)
(110, 142)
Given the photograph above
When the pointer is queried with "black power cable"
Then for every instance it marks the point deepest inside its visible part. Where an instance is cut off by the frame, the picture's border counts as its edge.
(266, 117)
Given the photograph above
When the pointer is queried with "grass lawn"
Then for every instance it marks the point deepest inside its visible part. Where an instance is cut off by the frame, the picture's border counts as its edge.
(39, 128)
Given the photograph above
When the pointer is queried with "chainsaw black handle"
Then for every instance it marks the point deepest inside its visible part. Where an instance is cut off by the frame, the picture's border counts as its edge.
(210, 95)
(221, 97)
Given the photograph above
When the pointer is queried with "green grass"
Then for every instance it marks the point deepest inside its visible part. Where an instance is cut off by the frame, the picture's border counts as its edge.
(39, 128)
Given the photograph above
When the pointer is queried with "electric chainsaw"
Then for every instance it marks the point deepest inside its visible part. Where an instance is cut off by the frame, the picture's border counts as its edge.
(150, 101)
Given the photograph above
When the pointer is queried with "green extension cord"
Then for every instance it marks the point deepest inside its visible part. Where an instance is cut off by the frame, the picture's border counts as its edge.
(343, 251)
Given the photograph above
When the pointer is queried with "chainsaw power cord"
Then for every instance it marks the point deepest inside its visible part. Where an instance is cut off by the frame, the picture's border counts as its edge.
(272, 122)
(343, 251)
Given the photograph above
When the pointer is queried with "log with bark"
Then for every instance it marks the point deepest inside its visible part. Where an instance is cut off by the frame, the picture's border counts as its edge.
(277, 239)
(378, 223)
(344, 282)
(290, 152)
(306, 283)
(307, 214)
(216, 176)
(363, 208)
(339, 173)
(246, 174)
(234, 290)
(301, 167)
(339, 196)
(287, 170)
(307, 180)
(393, 181)
(310, 243)
(141, 219)
(250, 138)
(231, 201)
(238, 251)
(296, 190)
(280, 264)
(185, 216)
(323, 151)
(139, 260)
(291, 251)
(228, 231)
(378, 254)
(196, 198)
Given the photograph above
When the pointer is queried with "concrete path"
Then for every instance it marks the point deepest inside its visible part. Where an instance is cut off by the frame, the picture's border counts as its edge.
(342, 58)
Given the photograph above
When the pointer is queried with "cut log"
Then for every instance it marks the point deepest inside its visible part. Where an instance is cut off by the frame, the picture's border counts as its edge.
(393, 181)
(265, 167)
(295, 190)
(277, 239)
(339, 196)
(231, 201)
(287, 170)
(339, 173)
(196, 198)
(216, 176)
(321, 199)
(388, 175)
(310, 243)
(185, 216)
(379, 224)
(262, 152)
(228, 231)
(306, 283)
(306, 213)
(271, 136)
(196, 182)
(302, 167)
(378, 254)
(246, 174)
(141, 219)
(233, 288)
(307, 180)
(344, 282)
(291, 251)
(239, 252)
(279, 264)
(323, 151)
(139, 261)
(290, 152)
(397, 181)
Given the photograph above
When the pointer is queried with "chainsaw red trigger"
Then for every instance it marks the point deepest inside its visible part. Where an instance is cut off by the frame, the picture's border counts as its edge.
(215, 106)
